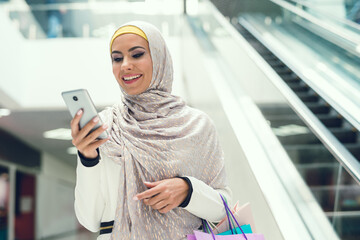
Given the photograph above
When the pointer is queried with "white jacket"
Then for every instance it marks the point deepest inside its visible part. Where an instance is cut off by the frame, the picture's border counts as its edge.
(96, 195)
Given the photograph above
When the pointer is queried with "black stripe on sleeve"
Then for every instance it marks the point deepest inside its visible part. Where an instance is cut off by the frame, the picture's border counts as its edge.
(89, 162)
(188, 197)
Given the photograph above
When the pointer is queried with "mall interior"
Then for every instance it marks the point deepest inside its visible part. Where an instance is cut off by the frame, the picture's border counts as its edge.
(279, 78)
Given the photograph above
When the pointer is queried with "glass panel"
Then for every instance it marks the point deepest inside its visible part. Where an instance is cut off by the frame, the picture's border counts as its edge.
(333, 188)
(99, 19)
(346, 217)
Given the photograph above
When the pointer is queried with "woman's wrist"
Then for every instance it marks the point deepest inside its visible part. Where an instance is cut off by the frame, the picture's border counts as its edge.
(189, 193)
(89, 162)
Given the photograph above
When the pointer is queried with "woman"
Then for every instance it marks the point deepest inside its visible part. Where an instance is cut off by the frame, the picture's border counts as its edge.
(161, 169)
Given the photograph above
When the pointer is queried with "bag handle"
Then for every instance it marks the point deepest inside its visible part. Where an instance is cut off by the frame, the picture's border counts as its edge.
(207, 228)
(228, 217)
(233, 217)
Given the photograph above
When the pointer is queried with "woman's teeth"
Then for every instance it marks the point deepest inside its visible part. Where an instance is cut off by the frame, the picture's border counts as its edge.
(131, 78)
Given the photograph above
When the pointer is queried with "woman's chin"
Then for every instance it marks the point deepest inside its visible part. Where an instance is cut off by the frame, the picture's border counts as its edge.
(134, 90)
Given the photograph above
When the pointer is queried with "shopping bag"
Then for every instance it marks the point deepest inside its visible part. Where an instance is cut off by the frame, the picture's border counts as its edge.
(209, 234)
(242, 214)
(246, 229)
(206, 236)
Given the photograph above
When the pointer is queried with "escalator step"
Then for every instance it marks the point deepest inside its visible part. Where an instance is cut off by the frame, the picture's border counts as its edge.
(270, 57)
(292, 78)
(282, 70)
(305, 97)
(276, 63)
(298, 87)
(284, 120)
(344, 136)
(264, 52)
(272, 110)
(318, 108)
(257, 45)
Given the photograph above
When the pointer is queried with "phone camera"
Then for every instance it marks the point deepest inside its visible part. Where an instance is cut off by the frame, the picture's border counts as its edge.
(75, 98)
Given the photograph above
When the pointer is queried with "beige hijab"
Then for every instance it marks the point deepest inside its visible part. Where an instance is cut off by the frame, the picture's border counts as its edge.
(155, 136)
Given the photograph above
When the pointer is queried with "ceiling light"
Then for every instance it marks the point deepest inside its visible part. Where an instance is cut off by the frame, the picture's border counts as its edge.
(60, 134)
(72, 150)
(4, 112)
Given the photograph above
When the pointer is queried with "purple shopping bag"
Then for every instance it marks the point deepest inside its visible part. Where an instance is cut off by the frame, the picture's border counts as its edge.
(211, 236)
(191, 237)
(207, 236)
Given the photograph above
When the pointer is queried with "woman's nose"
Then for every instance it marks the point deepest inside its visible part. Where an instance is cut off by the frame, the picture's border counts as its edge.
(126, 65)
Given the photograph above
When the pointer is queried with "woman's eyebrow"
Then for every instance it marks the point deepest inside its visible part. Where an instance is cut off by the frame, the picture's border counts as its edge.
(116, 52)
(133, 48)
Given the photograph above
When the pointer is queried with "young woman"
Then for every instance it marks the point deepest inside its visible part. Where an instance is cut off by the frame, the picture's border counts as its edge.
(161, 169)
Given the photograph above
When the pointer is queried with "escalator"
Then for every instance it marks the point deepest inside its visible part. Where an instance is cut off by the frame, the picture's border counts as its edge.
(336, 191)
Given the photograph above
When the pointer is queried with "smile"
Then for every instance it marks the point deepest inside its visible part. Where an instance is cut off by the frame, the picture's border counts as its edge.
(128, 79)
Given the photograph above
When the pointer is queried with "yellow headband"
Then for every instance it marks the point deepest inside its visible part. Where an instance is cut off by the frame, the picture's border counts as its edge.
(127, 29)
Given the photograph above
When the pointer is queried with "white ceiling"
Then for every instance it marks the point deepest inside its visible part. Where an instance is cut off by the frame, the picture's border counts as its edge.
(29, 126)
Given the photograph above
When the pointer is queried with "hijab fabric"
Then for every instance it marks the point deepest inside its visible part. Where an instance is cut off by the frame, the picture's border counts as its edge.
(156, 136)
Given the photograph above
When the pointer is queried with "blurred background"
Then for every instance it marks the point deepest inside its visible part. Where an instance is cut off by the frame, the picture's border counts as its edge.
(280, 79)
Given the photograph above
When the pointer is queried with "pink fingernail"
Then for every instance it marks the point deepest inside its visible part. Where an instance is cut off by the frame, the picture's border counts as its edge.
(105, 126)
(135, 198)
(79, 112)
(96, 119)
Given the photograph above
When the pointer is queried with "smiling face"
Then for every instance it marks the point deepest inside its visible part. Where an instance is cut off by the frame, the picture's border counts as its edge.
(132, 63)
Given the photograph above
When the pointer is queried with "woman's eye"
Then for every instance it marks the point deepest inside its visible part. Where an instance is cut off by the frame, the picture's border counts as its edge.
(117, 59)
(138, 55)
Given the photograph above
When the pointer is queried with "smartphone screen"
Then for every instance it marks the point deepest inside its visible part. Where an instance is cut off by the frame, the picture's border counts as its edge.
(80, 99)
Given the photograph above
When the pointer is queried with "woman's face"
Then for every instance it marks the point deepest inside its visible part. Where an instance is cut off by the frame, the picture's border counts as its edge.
(132, 63)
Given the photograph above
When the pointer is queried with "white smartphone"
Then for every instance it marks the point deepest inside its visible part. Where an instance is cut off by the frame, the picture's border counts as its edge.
(80, 99)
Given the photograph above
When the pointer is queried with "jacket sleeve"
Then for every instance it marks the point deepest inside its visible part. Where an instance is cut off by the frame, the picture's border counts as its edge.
(205, 201)
(89, 200)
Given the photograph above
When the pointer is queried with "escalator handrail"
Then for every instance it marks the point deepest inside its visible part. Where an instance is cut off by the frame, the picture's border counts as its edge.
(347, 36)
(338, 19)
(345, 158)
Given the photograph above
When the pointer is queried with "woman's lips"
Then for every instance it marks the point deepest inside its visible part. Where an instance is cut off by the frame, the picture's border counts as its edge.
(129, 79)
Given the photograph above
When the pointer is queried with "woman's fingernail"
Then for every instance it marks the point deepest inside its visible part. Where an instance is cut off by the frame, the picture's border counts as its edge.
(79, 112)
(147, 182)
(96, 119)
(105, 126)
(135, 198)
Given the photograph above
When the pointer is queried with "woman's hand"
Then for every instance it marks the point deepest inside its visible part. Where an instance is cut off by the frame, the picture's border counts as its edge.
(86, 143)
(164, 195)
